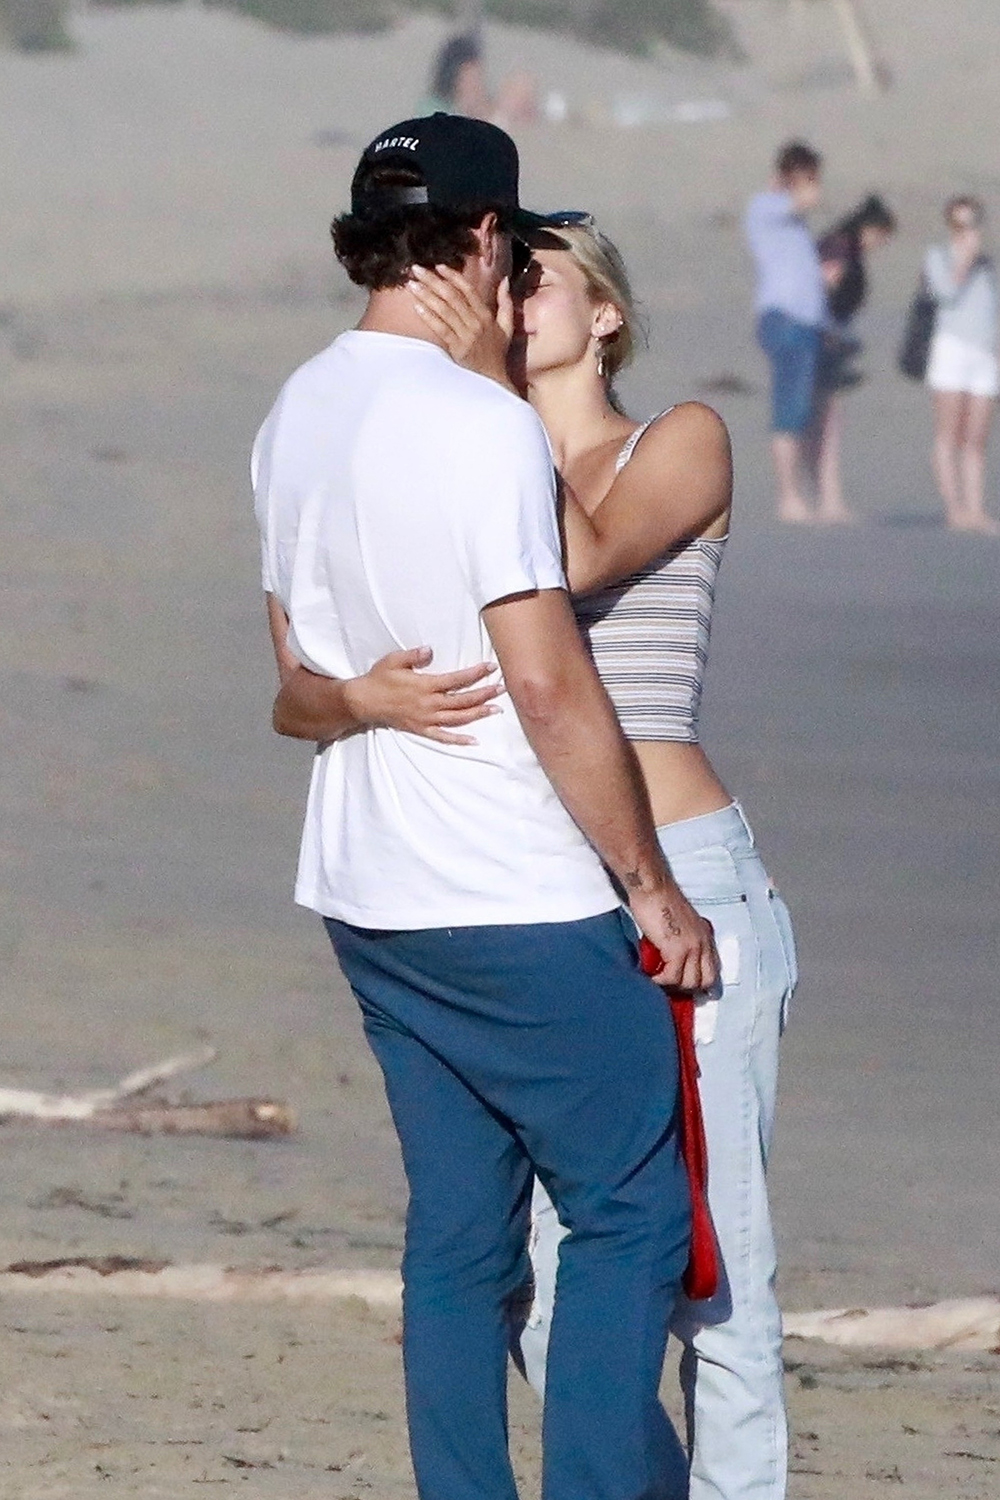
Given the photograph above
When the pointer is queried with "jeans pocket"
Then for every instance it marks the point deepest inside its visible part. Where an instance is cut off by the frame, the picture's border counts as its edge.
(786, 938)
(736, 949)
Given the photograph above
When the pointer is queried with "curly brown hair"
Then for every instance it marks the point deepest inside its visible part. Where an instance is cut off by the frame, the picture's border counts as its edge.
(378, 252)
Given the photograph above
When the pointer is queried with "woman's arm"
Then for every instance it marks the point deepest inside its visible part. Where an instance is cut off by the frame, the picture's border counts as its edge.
(394, 694)
(677, 484)
(938, 275)
(947, 273)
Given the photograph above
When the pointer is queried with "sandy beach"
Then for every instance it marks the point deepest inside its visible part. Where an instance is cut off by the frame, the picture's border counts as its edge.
(166, 264)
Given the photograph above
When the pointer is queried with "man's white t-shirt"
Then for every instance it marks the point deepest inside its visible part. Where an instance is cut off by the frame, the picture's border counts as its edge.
(398, 495)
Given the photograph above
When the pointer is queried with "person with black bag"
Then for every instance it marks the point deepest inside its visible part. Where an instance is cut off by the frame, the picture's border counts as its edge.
(962, 367)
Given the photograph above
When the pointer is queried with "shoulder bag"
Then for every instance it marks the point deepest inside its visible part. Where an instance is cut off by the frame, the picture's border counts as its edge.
(914, 351)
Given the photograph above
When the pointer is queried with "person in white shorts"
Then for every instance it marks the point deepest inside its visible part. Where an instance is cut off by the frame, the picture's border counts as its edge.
(962, 370)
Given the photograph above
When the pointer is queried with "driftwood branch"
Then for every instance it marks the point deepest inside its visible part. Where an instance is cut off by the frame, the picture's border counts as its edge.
(27, 1104)
(961, 1323)
(244, 1119)
(965, 1324)
(118, 1108)
(860, 48)
(119, 1276)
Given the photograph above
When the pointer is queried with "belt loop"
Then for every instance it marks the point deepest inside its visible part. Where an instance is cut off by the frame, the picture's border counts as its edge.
(743, 819)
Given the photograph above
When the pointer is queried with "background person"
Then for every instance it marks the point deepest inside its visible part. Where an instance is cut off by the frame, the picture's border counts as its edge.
(962, 369)
(458, 80)
(458, 86)
(843, 253)
(791, 310)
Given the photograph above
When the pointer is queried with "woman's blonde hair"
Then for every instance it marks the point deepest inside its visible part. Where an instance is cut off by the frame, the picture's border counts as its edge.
(607, 281)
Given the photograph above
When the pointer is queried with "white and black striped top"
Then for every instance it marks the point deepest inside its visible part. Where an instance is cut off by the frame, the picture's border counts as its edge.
(649, 635)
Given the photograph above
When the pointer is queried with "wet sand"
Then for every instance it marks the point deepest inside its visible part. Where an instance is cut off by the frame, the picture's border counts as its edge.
(150, 820)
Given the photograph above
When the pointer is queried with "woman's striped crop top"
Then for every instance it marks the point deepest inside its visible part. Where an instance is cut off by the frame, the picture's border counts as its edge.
(649, 635)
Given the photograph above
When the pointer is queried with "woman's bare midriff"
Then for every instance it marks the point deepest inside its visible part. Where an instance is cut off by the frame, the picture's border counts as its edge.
(680, 779)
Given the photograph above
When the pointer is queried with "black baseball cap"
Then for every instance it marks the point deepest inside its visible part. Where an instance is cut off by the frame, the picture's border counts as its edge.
(462, 163)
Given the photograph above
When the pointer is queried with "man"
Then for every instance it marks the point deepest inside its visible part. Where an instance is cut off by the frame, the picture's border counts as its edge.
(403, 498)
(791, 311)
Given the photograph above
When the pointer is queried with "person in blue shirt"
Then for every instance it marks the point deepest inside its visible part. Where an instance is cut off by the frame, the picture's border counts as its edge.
(791, 311)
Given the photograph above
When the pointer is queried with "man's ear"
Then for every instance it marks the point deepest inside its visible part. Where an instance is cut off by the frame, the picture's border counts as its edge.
(488, 239)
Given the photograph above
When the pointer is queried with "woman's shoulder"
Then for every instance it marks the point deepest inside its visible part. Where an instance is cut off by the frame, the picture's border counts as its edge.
(686, 421)
(687, 439)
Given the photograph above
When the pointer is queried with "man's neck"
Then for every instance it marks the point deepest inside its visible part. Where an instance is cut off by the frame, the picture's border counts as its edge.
(393, 310)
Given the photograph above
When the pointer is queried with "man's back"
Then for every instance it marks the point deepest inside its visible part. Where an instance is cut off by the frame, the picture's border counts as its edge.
(398, 495)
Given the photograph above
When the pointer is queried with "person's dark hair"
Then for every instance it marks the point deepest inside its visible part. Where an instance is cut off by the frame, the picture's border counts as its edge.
(872, 213)
(796, 158)
(965, 203)
(456, 52)
(378, 252)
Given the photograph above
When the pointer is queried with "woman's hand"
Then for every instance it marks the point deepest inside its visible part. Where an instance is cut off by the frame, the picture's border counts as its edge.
(968, 249)
(395, 695)
(455, 313)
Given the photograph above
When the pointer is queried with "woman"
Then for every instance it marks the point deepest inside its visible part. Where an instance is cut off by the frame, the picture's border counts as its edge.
(646, 516)
(962, 369)
(843, 253)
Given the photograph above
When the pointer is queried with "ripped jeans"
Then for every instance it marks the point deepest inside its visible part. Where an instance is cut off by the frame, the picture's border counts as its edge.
(731, 1367)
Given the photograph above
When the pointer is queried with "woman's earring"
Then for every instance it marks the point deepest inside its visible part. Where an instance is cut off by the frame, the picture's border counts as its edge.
(602, 362)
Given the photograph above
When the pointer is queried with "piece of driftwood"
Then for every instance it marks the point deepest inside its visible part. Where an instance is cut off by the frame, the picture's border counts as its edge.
(117, 1276)
(959, 1323)
(118, 1108)
(868, 74)
(971, 1323)
(242, 1119)
(28, 1104)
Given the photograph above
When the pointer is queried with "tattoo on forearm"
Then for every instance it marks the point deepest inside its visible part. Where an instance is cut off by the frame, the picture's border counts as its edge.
(632, 880)
(671, 922)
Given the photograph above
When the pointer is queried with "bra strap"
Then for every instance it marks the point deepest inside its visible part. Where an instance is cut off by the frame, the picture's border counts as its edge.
(632, 441)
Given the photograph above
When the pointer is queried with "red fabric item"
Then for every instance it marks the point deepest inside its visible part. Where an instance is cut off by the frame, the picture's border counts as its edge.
(701, 1276)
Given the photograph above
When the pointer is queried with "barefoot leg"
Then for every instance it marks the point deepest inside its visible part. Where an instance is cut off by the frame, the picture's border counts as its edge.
(787, 451)
(833, 508)
(949, 426)
(972, 464)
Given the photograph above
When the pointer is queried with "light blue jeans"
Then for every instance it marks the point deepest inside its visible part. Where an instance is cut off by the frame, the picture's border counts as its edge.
(731, 1368)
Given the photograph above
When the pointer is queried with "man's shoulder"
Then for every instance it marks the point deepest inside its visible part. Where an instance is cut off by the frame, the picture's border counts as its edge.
(482, 412)
(313, 372)
(479, 392)
(768, 205)
(303, 386)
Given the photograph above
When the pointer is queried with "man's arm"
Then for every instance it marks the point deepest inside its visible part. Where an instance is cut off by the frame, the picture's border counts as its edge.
(571, 725)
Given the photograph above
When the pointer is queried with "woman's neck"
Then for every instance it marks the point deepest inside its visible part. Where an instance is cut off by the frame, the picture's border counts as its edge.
(575, 411)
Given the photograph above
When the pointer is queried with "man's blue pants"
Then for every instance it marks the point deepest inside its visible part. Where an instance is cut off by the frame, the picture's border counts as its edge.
(507, 1051)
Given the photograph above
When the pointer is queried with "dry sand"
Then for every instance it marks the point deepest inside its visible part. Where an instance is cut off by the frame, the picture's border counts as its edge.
(163, 246)
(291, 1403)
